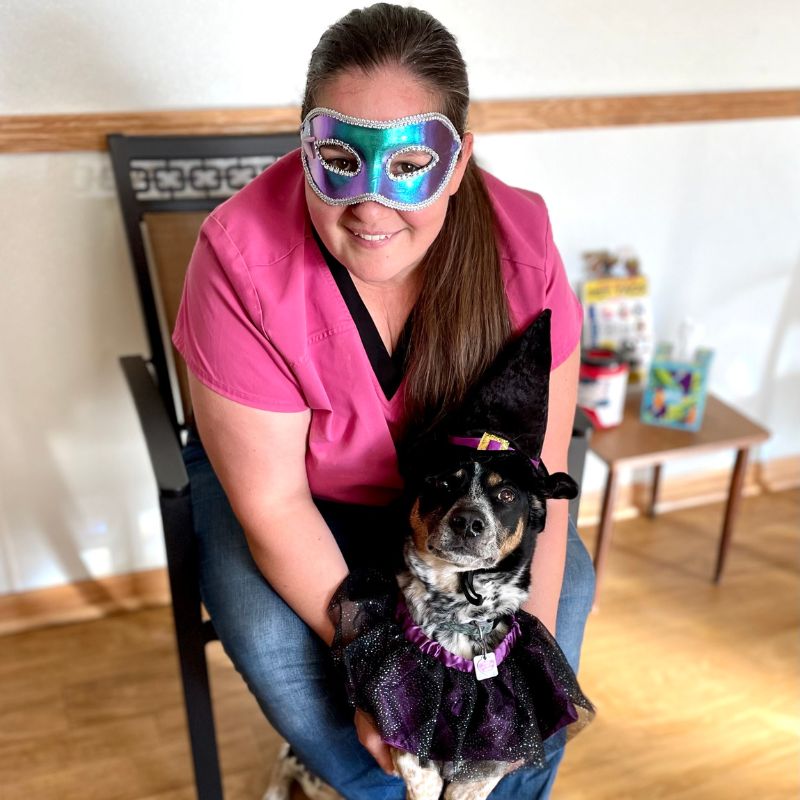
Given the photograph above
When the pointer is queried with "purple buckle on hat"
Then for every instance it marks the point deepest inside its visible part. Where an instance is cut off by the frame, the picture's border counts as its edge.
(486, 442)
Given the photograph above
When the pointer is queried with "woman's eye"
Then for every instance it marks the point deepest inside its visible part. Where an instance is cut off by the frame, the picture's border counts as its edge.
(345, 164)
(408, 163)
(339, 160)
(404, 168)
(506, 496)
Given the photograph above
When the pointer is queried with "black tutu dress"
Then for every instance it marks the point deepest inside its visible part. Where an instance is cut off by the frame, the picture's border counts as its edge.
(428, 701)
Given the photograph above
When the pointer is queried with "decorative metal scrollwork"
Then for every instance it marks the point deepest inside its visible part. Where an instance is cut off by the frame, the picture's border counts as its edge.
(156, 179)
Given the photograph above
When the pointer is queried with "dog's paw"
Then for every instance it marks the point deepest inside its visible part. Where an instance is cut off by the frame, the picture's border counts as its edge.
(471, 790)
(421, 783)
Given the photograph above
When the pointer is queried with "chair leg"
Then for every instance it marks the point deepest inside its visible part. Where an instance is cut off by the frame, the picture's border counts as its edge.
(604, 531)
(200, 716)
(190, 634)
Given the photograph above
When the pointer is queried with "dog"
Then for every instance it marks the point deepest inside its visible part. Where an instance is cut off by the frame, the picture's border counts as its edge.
(435, 654)
(473, 528)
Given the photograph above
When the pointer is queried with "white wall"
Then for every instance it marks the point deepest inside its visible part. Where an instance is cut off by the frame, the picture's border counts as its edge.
(97, 55)
(713, 210)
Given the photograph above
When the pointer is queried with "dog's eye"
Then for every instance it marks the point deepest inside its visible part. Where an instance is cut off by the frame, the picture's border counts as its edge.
(439, 484)
(506, 496)
(446, 482)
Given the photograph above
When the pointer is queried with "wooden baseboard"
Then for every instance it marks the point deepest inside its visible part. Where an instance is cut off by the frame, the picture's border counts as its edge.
(83, 600)
(87, 600)
(780, 473)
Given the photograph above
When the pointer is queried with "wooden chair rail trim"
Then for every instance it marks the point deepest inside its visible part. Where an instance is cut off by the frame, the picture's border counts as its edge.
(42, 133)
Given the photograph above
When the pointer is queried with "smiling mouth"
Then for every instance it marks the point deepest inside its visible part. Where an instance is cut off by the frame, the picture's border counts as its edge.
(372, 237)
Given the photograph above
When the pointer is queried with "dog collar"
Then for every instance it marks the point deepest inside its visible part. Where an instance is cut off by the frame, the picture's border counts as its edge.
(486, 442)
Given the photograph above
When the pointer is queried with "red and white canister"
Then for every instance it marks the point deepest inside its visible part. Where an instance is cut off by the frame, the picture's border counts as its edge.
(601, 390)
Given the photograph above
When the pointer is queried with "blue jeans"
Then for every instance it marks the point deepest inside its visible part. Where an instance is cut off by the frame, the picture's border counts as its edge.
(288, 668)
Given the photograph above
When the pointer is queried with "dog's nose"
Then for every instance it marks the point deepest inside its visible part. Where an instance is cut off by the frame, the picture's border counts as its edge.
(468, 522)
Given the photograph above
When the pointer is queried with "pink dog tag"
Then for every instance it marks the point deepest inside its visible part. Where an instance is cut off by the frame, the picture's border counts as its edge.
(485, 666)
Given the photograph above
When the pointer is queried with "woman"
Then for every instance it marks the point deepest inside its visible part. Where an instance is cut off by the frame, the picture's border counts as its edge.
(307, 365)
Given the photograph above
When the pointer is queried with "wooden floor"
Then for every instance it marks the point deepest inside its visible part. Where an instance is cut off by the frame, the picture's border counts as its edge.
(697, 686)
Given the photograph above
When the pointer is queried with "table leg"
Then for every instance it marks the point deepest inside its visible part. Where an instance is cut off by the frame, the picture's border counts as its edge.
(731, 509)
(654, 490)
(604, 530)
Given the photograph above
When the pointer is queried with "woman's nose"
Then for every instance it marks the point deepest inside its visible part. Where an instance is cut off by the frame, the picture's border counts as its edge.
(370, 211)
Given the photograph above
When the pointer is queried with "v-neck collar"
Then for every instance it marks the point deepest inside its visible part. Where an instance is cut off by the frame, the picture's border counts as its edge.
(388, 369)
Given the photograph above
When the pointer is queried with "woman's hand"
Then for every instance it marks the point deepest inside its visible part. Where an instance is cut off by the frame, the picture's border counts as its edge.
(369, 737)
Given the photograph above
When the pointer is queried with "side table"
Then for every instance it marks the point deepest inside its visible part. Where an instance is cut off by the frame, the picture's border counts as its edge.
(634, 444)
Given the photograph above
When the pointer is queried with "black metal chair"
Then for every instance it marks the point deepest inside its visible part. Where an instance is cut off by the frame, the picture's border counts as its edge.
(166, 186)
(576, 457)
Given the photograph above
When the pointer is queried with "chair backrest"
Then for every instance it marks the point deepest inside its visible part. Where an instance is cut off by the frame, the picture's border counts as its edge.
(166, 186)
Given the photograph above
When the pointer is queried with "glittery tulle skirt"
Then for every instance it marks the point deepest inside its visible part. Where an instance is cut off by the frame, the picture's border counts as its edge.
(421, 703)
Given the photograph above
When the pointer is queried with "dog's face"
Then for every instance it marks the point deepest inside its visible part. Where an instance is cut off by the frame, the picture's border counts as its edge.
(474, 513)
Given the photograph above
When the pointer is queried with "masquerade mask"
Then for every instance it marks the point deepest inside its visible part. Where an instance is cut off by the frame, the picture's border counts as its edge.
(402, 163)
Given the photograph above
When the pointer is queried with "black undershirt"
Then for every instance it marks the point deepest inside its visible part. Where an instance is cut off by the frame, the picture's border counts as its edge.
(388, 369)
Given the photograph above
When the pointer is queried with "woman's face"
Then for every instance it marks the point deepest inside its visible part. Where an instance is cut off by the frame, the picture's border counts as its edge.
(384, 94)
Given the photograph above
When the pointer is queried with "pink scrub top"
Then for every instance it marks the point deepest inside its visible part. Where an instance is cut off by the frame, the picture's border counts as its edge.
(263, 323)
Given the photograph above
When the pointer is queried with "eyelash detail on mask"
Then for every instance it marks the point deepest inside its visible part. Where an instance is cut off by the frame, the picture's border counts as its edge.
(344, 146)
(416, 148)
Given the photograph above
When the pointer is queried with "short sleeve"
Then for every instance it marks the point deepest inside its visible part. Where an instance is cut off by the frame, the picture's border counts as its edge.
(567, 312)
(219, 329)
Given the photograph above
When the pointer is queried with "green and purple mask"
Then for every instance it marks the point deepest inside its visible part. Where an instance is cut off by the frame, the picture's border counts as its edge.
(404, 163)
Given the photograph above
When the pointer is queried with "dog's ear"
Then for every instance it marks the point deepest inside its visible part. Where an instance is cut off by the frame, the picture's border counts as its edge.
(559, 486)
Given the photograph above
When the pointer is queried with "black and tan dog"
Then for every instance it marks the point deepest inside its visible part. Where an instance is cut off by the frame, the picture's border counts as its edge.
(459, 665)
(473, 532)
(474, 525)
(479, 501)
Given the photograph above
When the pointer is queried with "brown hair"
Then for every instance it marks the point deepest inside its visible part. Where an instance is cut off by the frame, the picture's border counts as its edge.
(461, 317)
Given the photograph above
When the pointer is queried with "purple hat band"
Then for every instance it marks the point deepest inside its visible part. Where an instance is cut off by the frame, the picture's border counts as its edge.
(486, 442)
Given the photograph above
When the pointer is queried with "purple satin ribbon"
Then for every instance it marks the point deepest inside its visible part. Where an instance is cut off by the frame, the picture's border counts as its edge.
(414, 634)
(474, 441)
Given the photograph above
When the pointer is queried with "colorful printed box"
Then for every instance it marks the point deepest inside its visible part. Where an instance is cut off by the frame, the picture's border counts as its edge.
(675, 395)
(618, 315)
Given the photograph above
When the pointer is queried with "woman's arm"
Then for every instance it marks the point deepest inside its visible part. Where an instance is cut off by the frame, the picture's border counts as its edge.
(260, 460)
(547, 569)
(259, 457)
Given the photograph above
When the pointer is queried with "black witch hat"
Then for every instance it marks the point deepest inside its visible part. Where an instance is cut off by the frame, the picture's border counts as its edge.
(505, 412)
